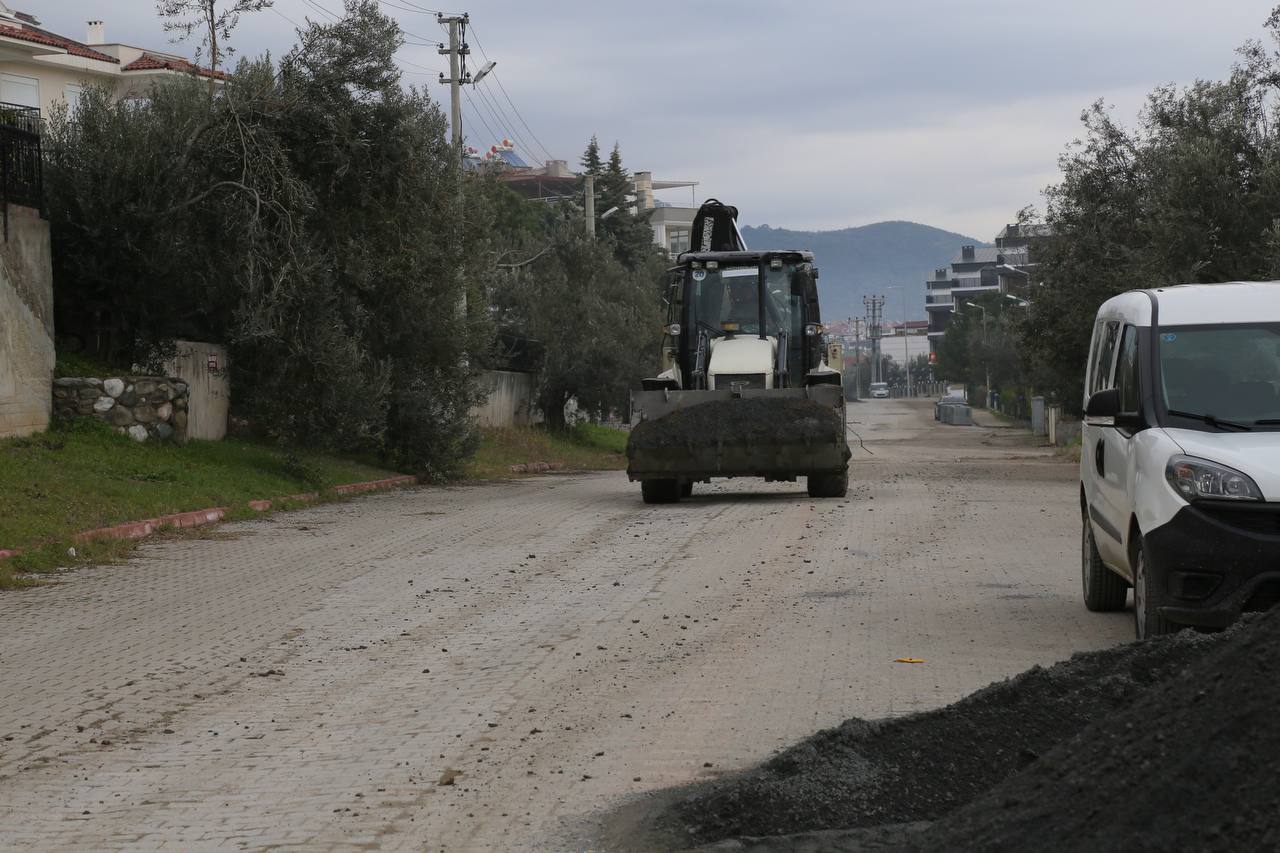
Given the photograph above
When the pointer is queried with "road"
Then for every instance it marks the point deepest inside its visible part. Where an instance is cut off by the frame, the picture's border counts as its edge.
(546, 648)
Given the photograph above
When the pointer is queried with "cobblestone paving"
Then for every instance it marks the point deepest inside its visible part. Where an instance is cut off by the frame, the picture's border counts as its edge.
(490, 667)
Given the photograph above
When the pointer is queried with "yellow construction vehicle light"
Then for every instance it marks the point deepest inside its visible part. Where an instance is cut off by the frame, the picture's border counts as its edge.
(729, 327)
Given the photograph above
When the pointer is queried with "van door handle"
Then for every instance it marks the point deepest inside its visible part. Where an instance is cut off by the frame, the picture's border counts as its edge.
(1100, 457)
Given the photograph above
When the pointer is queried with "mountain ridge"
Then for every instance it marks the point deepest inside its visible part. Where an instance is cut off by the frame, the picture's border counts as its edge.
(868, 259)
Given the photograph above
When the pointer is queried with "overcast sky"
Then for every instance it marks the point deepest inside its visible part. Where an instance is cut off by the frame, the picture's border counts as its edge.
(803, 114)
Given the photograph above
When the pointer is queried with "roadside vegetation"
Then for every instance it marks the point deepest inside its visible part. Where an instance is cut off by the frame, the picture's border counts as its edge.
(1188, 195)
(312, 215)
(585, 447)
(83, 475)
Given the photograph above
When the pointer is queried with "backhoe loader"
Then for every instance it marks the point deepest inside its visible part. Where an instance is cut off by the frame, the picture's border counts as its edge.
(747, 387)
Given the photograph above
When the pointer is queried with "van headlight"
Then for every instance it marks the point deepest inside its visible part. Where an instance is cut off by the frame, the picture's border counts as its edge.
(1199, 478)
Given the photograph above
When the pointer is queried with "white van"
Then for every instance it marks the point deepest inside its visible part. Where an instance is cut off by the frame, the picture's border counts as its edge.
(879, 390)
(1180, 455)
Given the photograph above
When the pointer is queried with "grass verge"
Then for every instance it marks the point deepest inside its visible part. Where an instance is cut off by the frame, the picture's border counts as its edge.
(587, 447)
(83, 475)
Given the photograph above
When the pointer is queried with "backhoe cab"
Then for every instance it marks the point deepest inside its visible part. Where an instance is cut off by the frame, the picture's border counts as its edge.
(746, 388)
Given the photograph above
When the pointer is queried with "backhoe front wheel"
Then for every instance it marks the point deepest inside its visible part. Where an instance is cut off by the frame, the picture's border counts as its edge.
(660, 491)
(829, 485)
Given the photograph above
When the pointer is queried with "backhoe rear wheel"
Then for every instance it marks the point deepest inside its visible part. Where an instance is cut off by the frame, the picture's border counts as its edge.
(660, 491)
(829, 485)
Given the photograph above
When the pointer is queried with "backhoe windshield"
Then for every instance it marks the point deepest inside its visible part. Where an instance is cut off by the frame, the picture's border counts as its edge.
(1229, 373)
(726, 300)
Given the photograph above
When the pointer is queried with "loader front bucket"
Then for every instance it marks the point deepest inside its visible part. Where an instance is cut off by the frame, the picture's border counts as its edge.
(777, 434)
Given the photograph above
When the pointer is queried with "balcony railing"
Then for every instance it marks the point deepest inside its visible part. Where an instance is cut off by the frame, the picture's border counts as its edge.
(21, 166)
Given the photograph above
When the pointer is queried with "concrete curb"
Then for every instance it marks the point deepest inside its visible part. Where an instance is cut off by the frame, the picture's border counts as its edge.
(144, 528)
(536, 467)
(212, 515)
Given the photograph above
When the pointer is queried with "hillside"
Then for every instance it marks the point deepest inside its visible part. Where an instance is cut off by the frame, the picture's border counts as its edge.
(859, 261)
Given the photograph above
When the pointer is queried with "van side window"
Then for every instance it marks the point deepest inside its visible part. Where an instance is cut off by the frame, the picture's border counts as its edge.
(1103, 357)
(1127, 371)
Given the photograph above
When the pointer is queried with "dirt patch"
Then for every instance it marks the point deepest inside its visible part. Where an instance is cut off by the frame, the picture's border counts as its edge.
(750, 420)
(924, 766)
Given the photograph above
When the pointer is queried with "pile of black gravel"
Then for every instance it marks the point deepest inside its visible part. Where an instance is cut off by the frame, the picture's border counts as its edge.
(749, 420)
(1168, 744)
(924, 766)
(1193, 763)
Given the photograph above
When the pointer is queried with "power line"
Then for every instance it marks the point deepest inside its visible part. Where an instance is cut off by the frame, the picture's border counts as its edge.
(511, 129)
(286, 17)
(501, 119)
(410, 7)
(503, 89)
(477, 112)
(534, 136)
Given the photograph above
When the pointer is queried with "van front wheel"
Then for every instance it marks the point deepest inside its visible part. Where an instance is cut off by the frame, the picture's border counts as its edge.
(1148, 595)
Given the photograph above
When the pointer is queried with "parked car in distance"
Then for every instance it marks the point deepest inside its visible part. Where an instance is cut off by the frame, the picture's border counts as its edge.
(1180, 455)
(879, 390)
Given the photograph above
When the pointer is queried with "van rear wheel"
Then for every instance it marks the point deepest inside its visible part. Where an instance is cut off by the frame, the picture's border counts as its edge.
(1104, 590)
(660, 491)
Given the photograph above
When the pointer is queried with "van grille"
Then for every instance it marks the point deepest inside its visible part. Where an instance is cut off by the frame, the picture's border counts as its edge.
(724, 381)
(1250, 519)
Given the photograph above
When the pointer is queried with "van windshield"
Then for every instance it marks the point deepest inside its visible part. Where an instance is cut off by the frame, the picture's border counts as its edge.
(1226, 373)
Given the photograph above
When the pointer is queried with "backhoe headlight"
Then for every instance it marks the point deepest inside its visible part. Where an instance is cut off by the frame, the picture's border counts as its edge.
(1196, 479)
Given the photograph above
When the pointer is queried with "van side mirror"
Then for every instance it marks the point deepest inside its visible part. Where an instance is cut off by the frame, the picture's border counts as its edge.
(1103, 404)
(1103, 409)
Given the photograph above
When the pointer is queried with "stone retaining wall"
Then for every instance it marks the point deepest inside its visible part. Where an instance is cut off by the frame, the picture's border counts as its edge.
(141, 407)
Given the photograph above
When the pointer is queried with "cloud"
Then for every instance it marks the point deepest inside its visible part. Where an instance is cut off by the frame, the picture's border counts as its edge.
(804, 114)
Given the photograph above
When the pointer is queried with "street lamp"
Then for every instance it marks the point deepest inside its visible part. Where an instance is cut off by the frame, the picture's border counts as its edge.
(986, 364)
(1022, 303)
(483, 73)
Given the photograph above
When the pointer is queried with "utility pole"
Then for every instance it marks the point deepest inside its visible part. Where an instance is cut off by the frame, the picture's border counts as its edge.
(457, 52)
(875, 307)
(589, 186)
(855, 326)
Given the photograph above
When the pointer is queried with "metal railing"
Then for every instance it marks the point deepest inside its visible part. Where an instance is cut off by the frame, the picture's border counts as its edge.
(21, 163)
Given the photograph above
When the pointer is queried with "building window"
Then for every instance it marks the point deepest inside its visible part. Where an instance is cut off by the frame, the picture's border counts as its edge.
(72, 94)
(678, 240)
(20, 91)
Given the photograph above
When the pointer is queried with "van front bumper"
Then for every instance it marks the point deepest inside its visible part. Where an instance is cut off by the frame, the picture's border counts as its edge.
(1218, 560)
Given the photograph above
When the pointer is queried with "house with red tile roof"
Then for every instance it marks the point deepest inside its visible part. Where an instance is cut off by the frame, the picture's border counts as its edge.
(40, 68)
